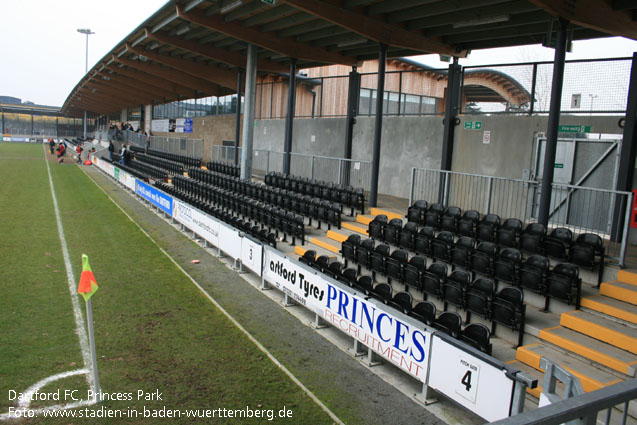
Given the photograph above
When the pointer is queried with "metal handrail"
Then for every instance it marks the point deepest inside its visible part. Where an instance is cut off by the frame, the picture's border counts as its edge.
(585, 406)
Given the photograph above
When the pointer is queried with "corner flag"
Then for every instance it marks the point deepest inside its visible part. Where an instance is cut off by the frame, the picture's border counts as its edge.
(88, 285)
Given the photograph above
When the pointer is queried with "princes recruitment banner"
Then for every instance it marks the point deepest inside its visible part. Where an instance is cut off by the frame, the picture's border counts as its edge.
(398, 340)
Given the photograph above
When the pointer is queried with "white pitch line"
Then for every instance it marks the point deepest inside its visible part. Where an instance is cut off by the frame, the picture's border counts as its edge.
(79, 320)
(274, 360)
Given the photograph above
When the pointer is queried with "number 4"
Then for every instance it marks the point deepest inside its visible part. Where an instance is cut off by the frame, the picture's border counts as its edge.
(466, 380)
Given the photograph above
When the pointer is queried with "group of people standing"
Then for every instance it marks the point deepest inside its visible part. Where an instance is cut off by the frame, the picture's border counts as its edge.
(60, 149)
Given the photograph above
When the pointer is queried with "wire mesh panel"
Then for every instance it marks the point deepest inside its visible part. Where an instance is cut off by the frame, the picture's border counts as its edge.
(301, 165)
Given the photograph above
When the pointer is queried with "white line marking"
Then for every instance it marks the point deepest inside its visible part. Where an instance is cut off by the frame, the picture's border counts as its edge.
(25, 402)
(232, 319)
(79, 320)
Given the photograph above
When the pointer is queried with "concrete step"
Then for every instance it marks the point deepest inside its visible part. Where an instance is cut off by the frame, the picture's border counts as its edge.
(627, 277)
(602, 329)
(325, 243)
(592, 349)
(390, 215)
(612, 307)
(355, 227)
(623, 291)
(590, 377)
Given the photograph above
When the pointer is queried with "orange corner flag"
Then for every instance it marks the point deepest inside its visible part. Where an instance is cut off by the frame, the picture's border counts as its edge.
(88, 285)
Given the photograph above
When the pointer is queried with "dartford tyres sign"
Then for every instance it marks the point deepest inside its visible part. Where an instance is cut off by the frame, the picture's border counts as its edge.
(391, 335)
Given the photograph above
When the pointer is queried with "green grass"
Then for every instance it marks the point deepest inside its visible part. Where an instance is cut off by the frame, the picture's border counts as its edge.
(154, 329)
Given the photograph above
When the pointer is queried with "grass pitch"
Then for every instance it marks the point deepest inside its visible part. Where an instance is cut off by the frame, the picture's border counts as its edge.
(155, 332)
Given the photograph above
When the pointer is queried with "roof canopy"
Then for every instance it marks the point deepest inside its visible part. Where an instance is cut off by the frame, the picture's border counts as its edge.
(191, 49)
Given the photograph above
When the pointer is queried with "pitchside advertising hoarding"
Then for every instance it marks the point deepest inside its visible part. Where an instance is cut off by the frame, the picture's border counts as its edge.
(373, 324)
(200, 223)
(154, 196)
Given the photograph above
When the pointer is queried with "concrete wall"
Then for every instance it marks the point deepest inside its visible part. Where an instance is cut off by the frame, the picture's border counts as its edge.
(417, 142)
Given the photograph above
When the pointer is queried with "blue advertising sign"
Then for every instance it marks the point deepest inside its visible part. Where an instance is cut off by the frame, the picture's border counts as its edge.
(154, 196)
(188, 125)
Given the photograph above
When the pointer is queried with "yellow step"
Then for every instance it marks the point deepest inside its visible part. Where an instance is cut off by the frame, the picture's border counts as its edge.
(364, 219)
(300, 251)
(592, 349)
(612, 307)
(602, 329)
(620, 291)
(390, 215)
(325, 245)
(355, 228)
(591, 378)
(335, 236)
(627, 277)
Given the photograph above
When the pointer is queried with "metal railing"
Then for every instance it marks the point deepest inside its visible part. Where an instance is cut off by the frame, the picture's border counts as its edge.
(585, 408)
(581, 209)
(356, 173)
(176, 145)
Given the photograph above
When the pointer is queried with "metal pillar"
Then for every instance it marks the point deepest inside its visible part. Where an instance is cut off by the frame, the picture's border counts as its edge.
(31, 123)
(84, 135)
(451, 117)
(352, 108)
(289, 117)
(4, 129)
(57, 128)
(553, 124)
(625, 171)
(378, 125)
(248, 113)
(237, 128)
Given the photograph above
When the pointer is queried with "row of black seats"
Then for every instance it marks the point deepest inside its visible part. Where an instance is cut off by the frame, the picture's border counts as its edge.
(263, 234)
(187, 160)
(561, 282)
(211, 199)
(171, 167)
(224, 168)
(585, 251)
(314, 208)
(134, 172)
(346, 195)
(475, 334)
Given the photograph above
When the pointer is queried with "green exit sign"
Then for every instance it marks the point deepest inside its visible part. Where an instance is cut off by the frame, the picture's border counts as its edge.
(558, 165)
(270, 2)
(473, 125)
(574, 129)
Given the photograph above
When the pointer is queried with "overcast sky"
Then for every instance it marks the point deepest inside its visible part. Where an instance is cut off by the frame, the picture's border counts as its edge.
(43, 54)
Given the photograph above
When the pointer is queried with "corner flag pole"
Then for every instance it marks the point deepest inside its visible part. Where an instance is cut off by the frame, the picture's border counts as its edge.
(88, 287)
(91, 338)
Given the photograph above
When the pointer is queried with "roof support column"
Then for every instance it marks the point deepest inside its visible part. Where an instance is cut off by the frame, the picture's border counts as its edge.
(248, 113)
(289, 117)
(550, 146)
(237, 127)
(625, 173)
(452, 108)
(352, 107)
(378, 125)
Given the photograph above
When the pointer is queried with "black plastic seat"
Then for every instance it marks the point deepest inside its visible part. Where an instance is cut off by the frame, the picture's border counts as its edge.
(588, 251)
(349, 277)
(364, 253)
(407, 236)
(558, 243)
(433, 278)
(479, 297)
(441, 246)
(484, 257)
(533, 273)
(455, 288)
(506, 267)
(432, 215)
(564, 283)
(377, 259)
(509, 232)
(422, 241)
(462, 252)
(449, 322)
(364, 284)
(478, 336)
(309, 257)
(416, 212)
(391, 230)
(449, 219)
(375, 229)
(487, 228)
(382, 292)
(508, 309)
(532, 238)
(413, 271)
(394, 265)
(424, 311)
(402, 301)
(468, 223)
(349, 248)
